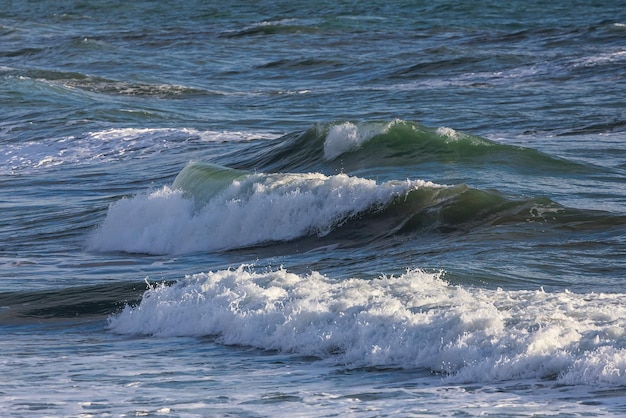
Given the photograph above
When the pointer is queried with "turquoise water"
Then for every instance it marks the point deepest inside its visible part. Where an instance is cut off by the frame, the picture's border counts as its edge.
(312, 209)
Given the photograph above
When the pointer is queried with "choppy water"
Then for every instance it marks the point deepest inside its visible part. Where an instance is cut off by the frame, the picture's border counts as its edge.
(313, 209)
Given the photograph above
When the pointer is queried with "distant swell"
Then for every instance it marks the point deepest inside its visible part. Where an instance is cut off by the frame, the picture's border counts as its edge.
(265, 28)
(73, 80)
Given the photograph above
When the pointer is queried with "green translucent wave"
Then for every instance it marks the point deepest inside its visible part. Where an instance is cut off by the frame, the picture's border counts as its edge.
(389, 144)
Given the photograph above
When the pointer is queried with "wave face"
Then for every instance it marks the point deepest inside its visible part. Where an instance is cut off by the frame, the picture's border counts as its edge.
(351, 146)
(415, 320)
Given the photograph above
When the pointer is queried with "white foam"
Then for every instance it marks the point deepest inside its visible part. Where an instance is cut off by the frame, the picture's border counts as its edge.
(449, 133)
(107, 145)
(601, 58)
(256, 209)
(349, 136)
(146, 136)
(416, 320)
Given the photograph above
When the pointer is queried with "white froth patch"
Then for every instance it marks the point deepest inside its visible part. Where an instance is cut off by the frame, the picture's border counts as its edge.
(349, 136)
(447, 132)
(137, 135)
(108, 145)
(260, 208)
(137, 225)
(600, 59)
(416, 320)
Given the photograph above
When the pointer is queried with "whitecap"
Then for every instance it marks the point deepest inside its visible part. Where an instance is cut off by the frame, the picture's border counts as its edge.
(253, 209)
(415, 320)
(348, 136)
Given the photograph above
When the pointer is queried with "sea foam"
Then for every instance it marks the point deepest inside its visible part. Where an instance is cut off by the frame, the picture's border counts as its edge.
(349, 136)
(257, 208)
(108, 145)
(415, 320)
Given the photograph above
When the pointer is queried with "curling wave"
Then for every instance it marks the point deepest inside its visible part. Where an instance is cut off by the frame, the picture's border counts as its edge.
(215, 208)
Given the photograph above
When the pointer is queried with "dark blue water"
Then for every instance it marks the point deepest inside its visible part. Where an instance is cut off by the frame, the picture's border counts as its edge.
(332, 208)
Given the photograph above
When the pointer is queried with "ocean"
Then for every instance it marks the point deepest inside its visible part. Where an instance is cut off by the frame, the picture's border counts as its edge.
(313, 209)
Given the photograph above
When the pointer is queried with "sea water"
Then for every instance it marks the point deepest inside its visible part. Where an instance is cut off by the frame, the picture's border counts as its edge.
(313, 208)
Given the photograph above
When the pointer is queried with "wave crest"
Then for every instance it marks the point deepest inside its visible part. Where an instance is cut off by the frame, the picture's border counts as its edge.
(215, 208)
(350, 146)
